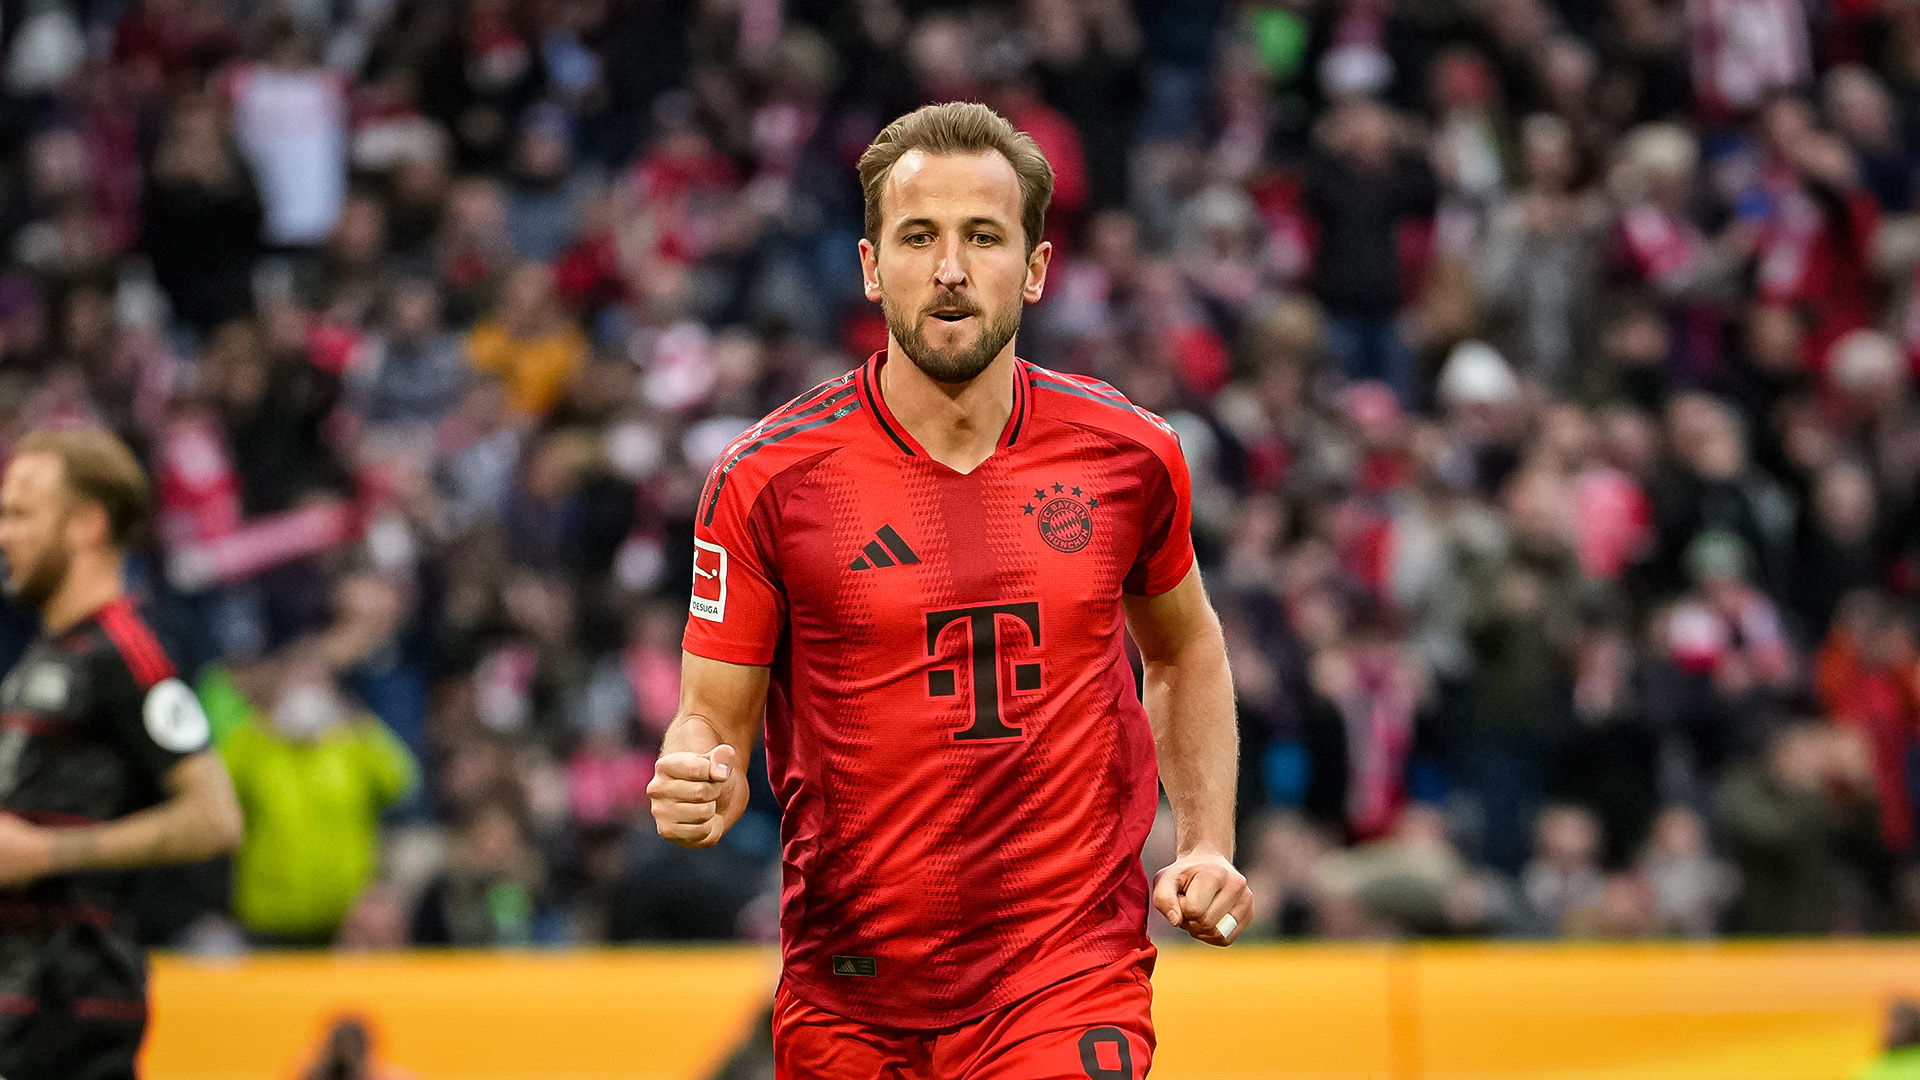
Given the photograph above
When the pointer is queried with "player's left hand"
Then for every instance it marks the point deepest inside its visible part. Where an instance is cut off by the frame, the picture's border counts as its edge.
(26, 851)
(1197, 891)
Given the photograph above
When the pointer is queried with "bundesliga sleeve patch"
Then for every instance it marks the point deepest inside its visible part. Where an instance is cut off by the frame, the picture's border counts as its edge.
(709, 581)
(175, 721)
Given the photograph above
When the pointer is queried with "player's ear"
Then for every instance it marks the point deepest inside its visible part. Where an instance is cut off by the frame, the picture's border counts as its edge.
(870, 269)
(1037, 263)
(87, 525)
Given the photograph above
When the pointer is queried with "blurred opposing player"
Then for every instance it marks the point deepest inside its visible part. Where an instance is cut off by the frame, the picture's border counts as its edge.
(103, 766)
(923, 570)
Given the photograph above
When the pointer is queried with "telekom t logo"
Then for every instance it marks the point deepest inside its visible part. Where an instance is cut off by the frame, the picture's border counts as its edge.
(983, 625)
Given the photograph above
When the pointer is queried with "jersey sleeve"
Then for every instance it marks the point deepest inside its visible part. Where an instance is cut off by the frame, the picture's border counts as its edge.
(157, 724)
(150, 713)
(1166, 545)
(738, 608)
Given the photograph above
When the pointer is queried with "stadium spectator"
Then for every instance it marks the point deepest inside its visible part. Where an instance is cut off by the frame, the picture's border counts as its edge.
(377, 922)
(274, 401)
(1364, 192)
(1088, 63)
(1867, 679)
(414, 370)
(1844, 548)
(1690, 886)
(1610, 760)
(491, 890)
(290, 119)
(344, 278)
(1743, 51)
(529, 342)
(1414, 882)
(203, 221)
(313, 778)
(1563, 886)
(1485, 414)
(472, 245)
(1861, 111)
(1816, 224)
(1290, 851)
(1523, 615)
(483, 70)
(1728, 649)
(1376, 688)
(1801, 825)
(549, 192)
(1540, 266)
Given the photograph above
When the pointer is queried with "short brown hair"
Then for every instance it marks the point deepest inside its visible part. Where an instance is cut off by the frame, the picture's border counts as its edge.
(960, 127)
(98, 468)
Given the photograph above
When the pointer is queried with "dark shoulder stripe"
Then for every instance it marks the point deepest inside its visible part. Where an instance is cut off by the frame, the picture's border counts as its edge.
(815, 392)
(778, 421)
(773, 422)
(1084, 382)
(1079, 391)
(1088, 393)
(792, 410)
(850, 406)
(807, 404)
(136, 644)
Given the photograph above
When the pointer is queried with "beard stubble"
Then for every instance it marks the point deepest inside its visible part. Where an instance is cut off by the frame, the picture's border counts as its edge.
(945, 366)
(43, 578)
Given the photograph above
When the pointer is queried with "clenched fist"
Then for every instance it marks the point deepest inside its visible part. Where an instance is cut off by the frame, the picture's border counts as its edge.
(1205, 896)
(696, 797)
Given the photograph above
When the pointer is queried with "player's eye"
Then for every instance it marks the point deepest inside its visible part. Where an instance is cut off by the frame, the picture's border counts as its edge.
(985, 239)
(920, 239)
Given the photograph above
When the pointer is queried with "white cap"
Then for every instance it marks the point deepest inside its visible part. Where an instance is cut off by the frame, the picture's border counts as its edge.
(1475, 374)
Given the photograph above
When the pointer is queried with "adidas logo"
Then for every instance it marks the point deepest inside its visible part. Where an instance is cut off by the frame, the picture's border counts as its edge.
(863, 966)
(888, 550)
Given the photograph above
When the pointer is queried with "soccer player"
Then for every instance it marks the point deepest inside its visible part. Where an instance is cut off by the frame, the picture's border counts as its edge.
(923, 570)
(103, 766)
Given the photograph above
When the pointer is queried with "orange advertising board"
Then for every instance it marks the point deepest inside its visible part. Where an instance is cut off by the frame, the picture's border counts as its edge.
(1762, 1011)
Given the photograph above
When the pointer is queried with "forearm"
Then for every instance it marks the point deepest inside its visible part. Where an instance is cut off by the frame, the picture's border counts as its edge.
(180, 830)
(694, 733)
(720, 705)
(1189, 700)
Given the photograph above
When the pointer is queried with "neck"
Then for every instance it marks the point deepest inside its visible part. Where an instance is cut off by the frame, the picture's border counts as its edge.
(92, 582)
(959, 424)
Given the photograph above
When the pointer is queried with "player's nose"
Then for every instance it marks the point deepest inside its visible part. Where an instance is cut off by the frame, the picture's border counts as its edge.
(952, 269)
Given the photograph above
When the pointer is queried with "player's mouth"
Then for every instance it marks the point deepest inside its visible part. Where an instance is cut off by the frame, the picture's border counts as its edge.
(951, 315)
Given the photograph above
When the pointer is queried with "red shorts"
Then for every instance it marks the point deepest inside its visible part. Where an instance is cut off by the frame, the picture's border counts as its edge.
(1096, 1025)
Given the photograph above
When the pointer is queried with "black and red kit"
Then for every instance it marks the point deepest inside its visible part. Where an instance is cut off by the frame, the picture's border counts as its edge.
(92, 720)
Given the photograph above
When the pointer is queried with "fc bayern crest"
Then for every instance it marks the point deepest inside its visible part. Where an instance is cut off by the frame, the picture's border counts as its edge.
(1065, 517)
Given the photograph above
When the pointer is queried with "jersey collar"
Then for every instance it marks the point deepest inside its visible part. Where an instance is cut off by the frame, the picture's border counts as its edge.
(897, 433)
(90, 619)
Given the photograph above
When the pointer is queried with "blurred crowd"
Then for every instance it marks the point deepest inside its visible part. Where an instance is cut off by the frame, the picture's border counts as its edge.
(1545, 369)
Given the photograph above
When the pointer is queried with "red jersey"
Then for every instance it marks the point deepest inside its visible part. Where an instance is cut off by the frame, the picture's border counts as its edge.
(953, 730)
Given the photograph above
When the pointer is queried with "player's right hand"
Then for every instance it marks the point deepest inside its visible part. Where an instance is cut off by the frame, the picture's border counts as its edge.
(692, 795)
